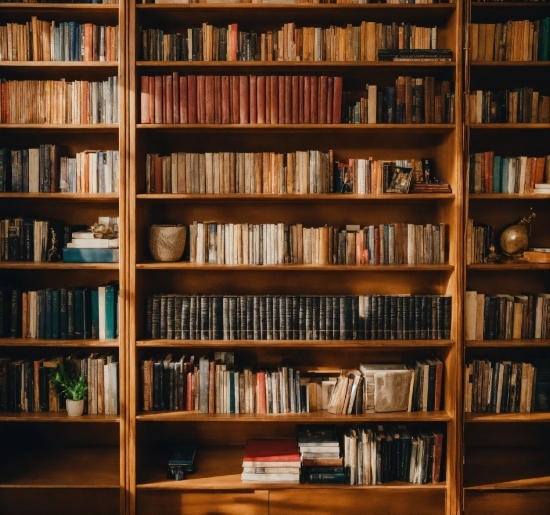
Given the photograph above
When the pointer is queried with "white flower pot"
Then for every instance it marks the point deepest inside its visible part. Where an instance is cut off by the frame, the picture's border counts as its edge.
(75, 408)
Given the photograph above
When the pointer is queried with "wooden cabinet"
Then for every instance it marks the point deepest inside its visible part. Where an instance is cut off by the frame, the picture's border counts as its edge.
(220, 437)
(505, 466)
(50, 463)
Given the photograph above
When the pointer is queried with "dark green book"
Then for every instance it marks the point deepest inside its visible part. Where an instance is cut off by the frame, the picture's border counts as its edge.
(78, 319)
(56, 313)
(95, 313)
(90, 255)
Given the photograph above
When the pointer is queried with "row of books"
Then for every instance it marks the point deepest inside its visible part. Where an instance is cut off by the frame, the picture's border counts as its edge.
(277, 244)
(241, 99)
(300, 172)
(479, 238)
(48, 170)
(490, 173)
(506, 386)
(25, 383)
(216, 385)
(289, 43)
(515, 105)
(66, 2)
(505, 317)
(514, 40)
(60, 313)
(39, 40)
(294, 317)
(290, 1)
(383, 388)
(59, 101)
(411, 100)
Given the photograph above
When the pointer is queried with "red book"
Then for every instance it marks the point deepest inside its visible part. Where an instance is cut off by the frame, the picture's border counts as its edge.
(267, 100)
(272, 451)
(226, 115)
(288, 99)
(144, 96)
(235, 109)
(209, 99)
(488, 171)
(330, 98)
(175, 97)
(314, 92)
(295, 100)
(437, 454)
(307, 99)
(260, 97)
(169, 103)
(183, 100)
(158, 99)
(253, 87)
(192, 98)
(190, 397)
(243, 99)
(323, 99)
(151, 101)
(261, 406)
(376, 245)
(217, 99)
(438, 383)
(337, 100)
(274, 99)
(281, 100)
(201, 99)
(301, 99)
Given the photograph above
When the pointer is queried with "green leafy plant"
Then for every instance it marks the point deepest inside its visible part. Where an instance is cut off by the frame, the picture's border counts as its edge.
(72, 385)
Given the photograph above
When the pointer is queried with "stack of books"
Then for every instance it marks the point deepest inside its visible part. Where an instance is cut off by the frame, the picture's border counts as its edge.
(182, 462)
(93, 246)
(271, 460)
(538, 254)
(322, 460)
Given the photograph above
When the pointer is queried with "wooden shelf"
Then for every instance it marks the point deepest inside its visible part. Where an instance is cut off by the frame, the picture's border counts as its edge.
(36, 342)
(62, 467)
(61, 7)
(220, 468)
(511, 64)
(507, 267)
(321, 197)
(508, 417)
(285, 344)
(292, 65)
(180, 265)
(509, 196)
(295, 418)
(65, 127)
(61, 65)
(58, 417)
(509, 126)
(60, 265)
(80, 197)
(537, 342)
(303, 127)
(496, 469)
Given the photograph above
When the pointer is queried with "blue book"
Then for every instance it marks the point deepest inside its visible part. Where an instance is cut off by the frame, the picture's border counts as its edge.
(497, 176)
(95, 314)
(504, 175)
(90, 255)
(111, 294)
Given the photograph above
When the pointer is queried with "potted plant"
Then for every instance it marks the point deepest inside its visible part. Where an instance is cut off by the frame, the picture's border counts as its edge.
(72, 385)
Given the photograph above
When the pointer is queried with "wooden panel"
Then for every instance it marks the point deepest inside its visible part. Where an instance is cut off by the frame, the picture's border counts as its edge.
(202, 503)
(356, 502)
(56, 501)
(506, 503)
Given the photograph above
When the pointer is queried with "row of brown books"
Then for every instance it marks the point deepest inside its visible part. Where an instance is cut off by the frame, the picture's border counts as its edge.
(47, 169)
(59, 101)
(300, 172)
(25, 383)
(479, 239)
(279, 243)
(514, 40)
(241, 99)
(289, 43)
(294, 317)
(377, 454)
(514, 105)
(505, 317)
(490, 173)
(39, 40)
(503, 386)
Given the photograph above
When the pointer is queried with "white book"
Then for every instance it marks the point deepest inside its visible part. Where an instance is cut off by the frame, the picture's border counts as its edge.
(96, 243)
(34, 170)
(470, 309)
(101, 311)
(79, 235)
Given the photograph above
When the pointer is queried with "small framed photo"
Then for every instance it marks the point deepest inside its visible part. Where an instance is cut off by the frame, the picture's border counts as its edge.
(400, 181)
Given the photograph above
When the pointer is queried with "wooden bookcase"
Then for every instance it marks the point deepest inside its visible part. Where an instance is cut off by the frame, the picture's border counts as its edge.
(506, 455)
(216, 486)
(52, 463)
